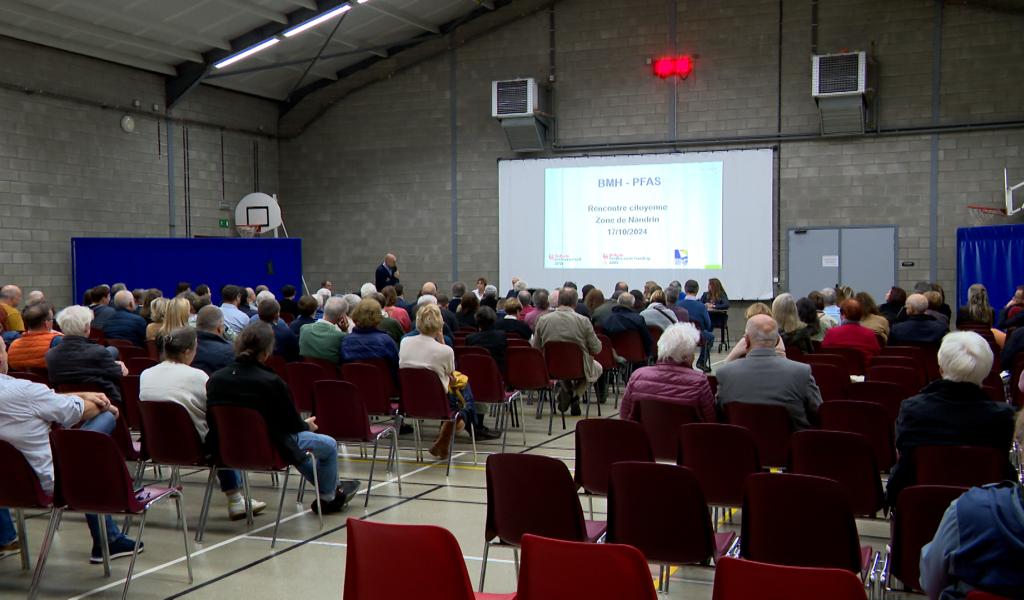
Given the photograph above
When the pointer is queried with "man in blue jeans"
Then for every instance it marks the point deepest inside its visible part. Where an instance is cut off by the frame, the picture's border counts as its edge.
(26, 412)
(699, 314)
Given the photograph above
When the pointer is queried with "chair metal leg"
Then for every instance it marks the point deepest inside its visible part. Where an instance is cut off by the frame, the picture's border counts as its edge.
(398, 464)
(451, 448)
(504, 432)
(515, 561)
(590, 499)
(551, 416)
(522, 421)
(44, 552)
(661, 578)
(472, 439)
(184, 534)
(204, 513)
(668, 575)
(248, 505)
(19, 516)
(301, 496)
(135, 554)
(416, 438)
(280, 505)
(373, 463)
(316, 484)
(105, 544)
(483, 567)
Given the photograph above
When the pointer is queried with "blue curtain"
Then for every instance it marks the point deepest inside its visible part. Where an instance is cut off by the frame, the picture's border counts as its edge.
(993, 256)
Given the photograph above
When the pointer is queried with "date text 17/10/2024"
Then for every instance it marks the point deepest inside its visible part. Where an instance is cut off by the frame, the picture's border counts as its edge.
(627, 231)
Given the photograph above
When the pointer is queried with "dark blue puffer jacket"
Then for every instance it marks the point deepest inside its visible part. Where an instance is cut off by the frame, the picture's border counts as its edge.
(365, 343)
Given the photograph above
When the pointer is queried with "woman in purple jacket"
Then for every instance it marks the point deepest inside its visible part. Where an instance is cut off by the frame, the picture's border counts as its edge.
(673, 379)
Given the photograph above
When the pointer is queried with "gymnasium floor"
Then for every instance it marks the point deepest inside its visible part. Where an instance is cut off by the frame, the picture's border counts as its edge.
(234, 561)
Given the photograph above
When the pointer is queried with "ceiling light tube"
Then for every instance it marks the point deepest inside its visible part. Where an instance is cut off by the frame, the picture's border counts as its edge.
(334, 12)
(246, 53)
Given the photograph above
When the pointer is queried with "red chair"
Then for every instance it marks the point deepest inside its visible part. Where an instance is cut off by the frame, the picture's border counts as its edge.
(517, 342)
(527, 370)
(1016, 395)
(131, 353)
(919, 509)
(130, 449)
(96, 334)
(979, 595)
(489, 388)
(832, 381)
(829, 358)
(563, 569)
(893, 360)
(844, 457)
(867, 419)
(565, 362)
(130, 401)
(661, 420)
(796, 354)
(630, 346)
(854, 358)
(287, 317)
(770, 426)
(431, 559)
(462, 351)
(91, 478)
(600, 443)
(386, 372)
(660, 510)
(20, 490)
(29, 376)
(530, 493)
(139, 364)
(372, 386)
(800, 521)
(721, 456)
(745, 580)
(152, 350)
(328, 368)
(919, 354)
(341, 414)
(300, 380)
(244, 444)
(424, 397)
(606, 358)
(962, 466)
(120, 343)
(278, 364)
(889, 395)
(910, 380)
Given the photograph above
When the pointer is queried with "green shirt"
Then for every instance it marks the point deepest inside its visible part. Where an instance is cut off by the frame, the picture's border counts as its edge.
(321, 340)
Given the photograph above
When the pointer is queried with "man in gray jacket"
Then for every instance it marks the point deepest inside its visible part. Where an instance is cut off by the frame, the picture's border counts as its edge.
(566, 325)
(764, 377)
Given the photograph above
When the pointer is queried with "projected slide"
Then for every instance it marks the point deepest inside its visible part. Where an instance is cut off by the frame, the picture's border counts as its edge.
(654, 216)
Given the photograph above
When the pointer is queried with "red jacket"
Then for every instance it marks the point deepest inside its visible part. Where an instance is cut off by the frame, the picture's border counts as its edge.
(672, 383)
(853, 335)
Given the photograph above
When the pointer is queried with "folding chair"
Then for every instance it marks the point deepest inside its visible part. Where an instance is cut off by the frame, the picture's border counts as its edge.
(568, 569)
(527, 370)
(737, 579)
(21, 490)
(770, 426)
(423, 397)
(844, 457)
(600, 443)
(661, 420)
(489, 388)
(919, 509)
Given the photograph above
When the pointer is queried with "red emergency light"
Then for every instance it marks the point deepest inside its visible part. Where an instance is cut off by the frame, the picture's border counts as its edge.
(667, 66)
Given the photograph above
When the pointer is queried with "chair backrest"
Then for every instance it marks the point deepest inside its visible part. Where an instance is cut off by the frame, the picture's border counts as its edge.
(980, 595)
(965, 466)
(869, 420)
(600, 443)
(847, 458)
(127, 353)
(90, 473)
(484, 377)
(171, 437)
(737, 579)
(340, 412)
(31, 376)
(122, 437)
(660, 510)
(721, 456)
(564, 360)
(130, 400)
(287, 317)
(910, 380)
(930, 353)
(917, 353)
(770, 426)
(328, 368)
(432, 564)
(279, 365)
(423, 396)
(530, 493)
(919, 509)
(800, 521)
(139, 364)
(661, 420)
(629, 345)
(463, 351)
(827, 357)
(119, 343)
(562, 569)
(895, 360)
(606, 357)
(301, 376)
(832, 381)
(887, 394)
(526, 369)
(387, 370)
(21, 488)
(371, 385)
(796, 354)
(243, 439)
(152, 350)
(854, 358)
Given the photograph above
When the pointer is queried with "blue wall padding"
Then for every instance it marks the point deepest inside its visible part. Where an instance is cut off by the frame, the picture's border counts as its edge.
(993, 256)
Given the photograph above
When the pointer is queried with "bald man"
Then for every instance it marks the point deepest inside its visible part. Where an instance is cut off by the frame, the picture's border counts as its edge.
(10, 299)
(765, 377)
(387, 272)
(919, 328)
(124, 324)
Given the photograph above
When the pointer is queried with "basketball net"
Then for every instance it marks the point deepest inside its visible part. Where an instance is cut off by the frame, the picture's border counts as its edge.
(986, 215)
(248, 231)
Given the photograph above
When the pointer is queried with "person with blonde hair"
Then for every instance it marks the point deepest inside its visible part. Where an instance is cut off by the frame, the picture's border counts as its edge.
(740, 349)
(792, 331)
(673, 378)
(157, 311)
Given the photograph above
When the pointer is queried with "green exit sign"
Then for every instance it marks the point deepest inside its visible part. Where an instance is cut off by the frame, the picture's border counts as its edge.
(224, 224)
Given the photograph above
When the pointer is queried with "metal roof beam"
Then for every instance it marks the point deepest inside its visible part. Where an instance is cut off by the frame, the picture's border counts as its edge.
(45, 39)
(141, 23)
(257, 10)
(395, 13)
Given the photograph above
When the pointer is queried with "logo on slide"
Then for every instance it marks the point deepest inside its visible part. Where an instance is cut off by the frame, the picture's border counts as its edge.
(682, 257)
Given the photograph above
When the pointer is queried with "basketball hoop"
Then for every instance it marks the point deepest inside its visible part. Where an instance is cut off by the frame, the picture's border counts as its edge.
(248, 231)
(986, 215)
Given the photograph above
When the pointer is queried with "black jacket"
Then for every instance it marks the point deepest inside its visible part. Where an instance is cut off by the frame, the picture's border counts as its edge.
(81, 360)
(254, 385)
(384, 276)
(801, 338)
(514, 326)
(625, 319)
(893, 312)
(946, 413)
(289, 306)
(212, 352)
(494, 341)
(1014, 345)
(123, 324)
(917, 329)
(299, 321)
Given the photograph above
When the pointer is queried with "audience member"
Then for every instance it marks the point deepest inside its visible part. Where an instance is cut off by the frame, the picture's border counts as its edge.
(894, 308)
(699, 314)
(673, 378)
(213, 352)
(831, 309)
(124, 324)
(541, 306)
(600, 306)
(622, 318)
(872, 317)
(466, 313)
(286, 345)
(657, 314)
(393, 310)
(518, 285)
(525, 298)
(807, 311)
(260, 297)
(99, 303)
(458, 291)
(977, 311)
(717, 302)
(581, 305)
(35, 297)
(941, 306)
(1012, 314)
(29, 350)
(511, 324)
(935, 305)
(387, 272)
(481, 285)
(10, 299)
(287, 302)
(953, 411)
(825, 322)
(388, 325)
(366, 341)
(176, 315)
(183, 286)
(157, 312)
(851, 334)
(672, 303)
(367, 290)
(307, 307)
(1013, 347)
(401, 302)
(764, 377)
(234, 318)
(740, 348)
(792, 329)
(174, 380)
(639, 304)
(326, 284)
(918, 328)
(489, 338)
(77, 359)
(248, 382)
(490, 297)
(203, 291)
(248, 304)
(147, 302)
(565, 325)
(323, 339)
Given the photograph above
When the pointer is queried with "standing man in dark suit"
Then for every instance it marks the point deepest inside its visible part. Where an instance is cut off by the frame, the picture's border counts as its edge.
(699, 313)
(387, 272)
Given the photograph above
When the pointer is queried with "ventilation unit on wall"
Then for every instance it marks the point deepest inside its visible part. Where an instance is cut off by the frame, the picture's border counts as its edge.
(842, 89)
(516, 104)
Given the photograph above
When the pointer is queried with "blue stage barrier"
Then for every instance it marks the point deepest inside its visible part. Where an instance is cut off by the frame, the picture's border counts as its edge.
(993, 256)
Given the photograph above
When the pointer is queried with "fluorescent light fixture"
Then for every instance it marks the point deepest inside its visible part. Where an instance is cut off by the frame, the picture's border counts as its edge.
(246, 53)
(334, 12)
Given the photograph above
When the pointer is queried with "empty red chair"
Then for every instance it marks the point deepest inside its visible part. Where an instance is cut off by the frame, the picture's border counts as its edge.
(796, 354)
(737, 579)
(888, 394)
(660, 510)
(832, 381)
(800, 521)
(372, 386)
(565, 362)
(341, 414)
(606, 358)
(278, 364)
(919, 510)
(20, 490)
(721, 456)
(867, 419)
(930, 354)
(139, 364)
(894, 360)
(661, 420)
(130, 401)
(432, 564)
(151, 350)
(770, 426)
(854, 358)
(516, 341)
(131, 353)
(910, 380)
(827, 357)
(963, 466)
(489, 388)
(600, 443)
(91, 477)
(555, 569)
(630, 346)
(120, 343)
(387, 374)
(423, 397)
(530, 493)
(844, 457)
(462, 351)
(328, 368)
(526, 370)
(300, 380)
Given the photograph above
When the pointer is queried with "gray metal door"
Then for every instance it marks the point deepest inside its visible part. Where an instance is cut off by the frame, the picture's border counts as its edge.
(813, 260)
(867, 258)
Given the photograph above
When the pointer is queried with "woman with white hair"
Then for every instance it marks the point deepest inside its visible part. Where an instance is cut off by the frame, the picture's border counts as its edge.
(78, 359)
(953, 411)
(673, 378)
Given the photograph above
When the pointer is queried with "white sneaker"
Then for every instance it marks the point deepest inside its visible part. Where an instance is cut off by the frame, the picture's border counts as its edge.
(236, 508)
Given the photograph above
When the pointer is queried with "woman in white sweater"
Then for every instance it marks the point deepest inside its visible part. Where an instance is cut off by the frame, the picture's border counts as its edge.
(175, 381)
